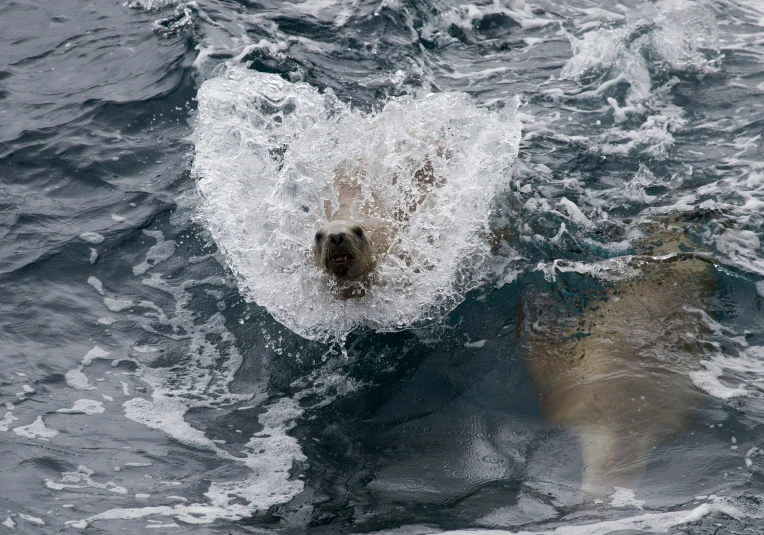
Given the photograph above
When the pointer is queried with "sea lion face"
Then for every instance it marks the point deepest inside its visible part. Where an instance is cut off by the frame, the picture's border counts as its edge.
(343, 249)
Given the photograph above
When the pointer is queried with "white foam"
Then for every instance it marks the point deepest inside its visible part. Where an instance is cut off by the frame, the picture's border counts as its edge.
(270, 457)
(315, 7)
(653, 43)
(752, 453)
(78, 380)
(158, 253)
(84, 406)
(743, 247)
(92, 237)
(574, 212)
(625, 498)
(36, 430)
(476, 345)
(7, 421)
(636, 188)
(611, 269)
(191, 383)
(672, 33)
(117, 305)
(740, 195)
(648, 522)
(727, 376)
(465, 15)
(266, 154)
(190, 514)
(9, 523)
(166, 414)
(32, 519)
(652, 140)
(97, 284)
(82, 478)
(154, 5)
(526, 510)
(95, 353)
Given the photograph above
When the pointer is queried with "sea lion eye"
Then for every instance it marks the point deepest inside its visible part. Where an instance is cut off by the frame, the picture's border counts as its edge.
(358, 231)
(319, 236)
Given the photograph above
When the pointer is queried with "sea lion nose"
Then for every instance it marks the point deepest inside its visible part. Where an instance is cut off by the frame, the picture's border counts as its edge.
(337, 238)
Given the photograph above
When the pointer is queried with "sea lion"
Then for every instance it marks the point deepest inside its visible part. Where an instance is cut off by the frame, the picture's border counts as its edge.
(363, 224)
(616, 375)
(343, 249)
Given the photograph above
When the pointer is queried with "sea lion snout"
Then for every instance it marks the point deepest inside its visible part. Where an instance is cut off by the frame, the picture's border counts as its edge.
(337, 238)
(342, 249)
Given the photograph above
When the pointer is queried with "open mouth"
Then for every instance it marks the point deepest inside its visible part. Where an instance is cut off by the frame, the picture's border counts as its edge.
(341, 259)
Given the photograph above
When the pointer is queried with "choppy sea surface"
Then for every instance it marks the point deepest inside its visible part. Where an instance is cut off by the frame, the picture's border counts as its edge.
(171, 361)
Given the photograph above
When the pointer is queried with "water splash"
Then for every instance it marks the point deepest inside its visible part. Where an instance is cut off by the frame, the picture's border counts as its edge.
(266, 156)
(655, 40)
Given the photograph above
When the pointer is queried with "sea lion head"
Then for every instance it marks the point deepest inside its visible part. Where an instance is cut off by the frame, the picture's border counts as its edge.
(343, 248)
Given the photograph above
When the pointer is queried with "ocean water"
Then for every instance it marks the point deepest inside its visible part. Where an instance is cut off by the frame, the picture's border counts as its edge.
(171, 361)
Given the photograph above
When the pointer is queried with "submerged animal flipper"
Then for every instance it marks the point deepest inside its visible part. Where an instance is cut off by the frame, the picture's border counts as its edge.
(612, 459)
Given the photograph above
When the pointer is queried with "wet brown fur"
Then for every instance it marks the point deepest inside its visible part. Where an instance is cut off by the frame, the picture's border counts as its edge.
(617, 376)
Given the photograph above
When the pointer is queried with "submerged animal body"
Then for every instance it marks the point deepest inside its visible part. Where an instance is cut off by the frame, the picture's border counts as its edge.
(617, 375)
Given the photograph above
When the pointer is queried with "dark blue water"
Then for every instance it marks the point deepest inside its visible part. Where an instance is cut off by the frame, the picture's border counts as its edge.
(147, 389)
